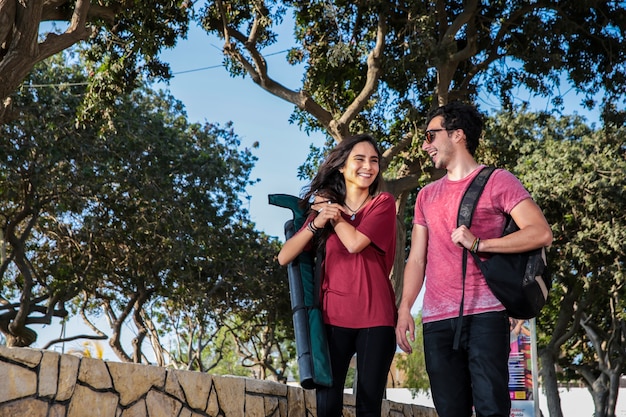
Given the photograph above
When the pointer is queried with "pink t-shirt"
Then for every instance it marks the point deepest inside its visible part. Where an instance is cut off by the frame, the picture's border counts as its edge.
(356, 290)
(437, 208)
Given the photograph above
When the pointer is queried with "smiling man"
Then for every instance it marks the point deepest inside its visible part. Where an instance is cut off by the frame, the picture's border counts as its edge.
(474, 373)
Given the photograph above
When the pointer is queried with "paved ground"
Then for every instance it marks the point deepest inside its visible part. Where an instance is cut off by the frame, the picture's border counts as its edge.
(576, 402)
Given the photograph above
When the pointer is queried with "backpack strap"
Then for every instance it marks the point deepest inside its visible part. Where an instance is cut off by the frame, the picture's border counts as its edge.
(470, 198)
(464, 217)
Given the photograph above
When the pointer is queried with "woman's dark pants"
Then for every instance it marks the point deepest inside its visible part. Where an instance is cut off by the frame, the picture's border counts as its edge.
(374, 348)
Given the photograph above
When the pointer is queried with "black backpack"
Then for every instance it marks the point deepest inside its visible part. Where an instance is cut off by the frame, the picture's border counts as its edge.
(521, 281)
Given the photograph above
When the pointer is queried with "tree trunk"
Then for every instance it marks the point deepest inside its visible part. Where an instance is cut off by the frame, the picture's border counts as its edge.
(599, 394)
(397, 275)
(550, 382)
(20, 49)
(611, 402)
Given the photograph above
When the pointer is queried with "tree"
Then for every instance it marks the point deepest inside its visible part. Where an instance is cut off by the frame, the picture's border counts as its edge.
(378, 66)
(263, 328)
(590, 193)
(126, 38)
(576, 174)
(257, 328)
(151, 210)
(42, 178)
(173, 220)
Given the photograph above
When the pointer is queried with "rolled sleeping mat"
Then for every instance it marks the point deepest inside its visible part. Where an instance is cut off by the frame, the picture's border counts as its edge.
(304, 284)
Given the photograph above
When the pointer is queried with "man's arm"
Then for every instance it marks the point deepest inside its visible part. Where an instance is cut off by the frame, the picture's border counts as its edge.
(534, 232)
(413, 280)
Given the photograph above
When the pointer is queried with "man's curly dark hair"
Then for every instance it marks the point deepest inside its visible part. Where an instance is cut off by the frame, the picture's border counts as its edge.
(458, 115)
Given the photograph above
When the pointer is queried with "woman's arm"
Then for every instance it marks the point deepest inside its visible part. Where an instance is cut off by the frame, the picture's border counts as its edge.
(296, 244)
(352, 239)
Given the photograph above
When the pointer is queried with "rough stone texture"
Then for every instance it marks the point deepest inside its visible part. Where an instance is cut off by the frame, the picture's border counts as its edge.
(48, 375)
(68, 374)
(17, 383)
(93, 372)
(40, 383)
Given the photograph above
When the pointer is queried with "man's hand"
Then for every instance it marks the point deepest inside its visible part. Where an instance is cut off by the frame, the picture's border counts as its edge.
(405, 331)
(462, 237)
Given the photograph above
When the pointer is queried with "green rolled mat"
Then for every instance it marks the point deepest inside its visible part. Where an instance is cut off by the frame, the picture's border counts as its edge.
(304, 289)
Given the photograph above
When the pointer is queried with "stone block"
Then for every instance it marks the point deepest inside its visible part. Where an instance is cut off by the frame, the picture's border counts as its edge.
(196, 387)
(17, 382)
(271, 405)
(92, 403)
(255, 406)
(231, 392)
(68, 373)
(27, 356)
(296, 405)
(161, 405)
(138, 409)
(260, 386)
(57, 410)
(94, 372)
(49, 374)
(30, 407)
(213, 406)
(172, 384)
(133, 381)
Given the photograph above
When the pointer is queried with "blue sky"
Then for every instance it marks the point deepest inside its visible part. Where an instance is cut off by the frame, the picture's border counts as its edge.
(210, 94)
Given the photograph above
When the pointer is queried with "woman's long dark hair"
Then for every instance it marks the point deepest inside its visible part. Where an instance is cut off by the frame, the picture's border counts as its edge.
(329, 182)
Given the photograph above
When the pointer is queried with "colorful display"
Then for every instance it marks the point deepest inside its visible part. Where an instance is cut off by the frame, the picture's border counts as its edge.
(523, 369)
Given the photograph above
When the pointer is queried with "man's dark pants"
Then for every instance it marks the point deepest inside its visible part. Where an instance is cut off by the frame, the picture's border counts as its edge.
(477, 373)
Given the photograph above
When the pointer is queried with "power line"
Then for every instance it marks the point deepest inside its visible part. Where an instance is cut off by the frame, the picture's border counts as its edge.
(198, 69)
(221, 65)
(174, 73)
(53, 85)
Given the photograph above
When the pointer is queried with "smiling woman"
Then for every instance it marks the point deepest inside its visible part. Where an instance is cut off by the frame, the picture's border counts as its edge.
(358, 249)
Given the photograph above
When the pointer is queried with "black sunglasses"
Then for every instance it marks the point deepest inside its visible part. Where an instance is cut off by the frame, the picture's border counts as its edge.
(430, 134)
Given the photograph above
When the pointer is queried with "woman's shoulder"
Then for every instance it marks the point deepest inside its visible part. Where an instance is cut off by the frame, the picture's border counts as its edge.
(384, 200)
(384, 196)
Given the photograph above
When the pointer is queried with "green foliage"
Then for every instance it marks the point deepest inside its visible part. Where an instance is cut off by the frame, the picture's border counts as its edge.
(148, 217)
(576, 174)
(223, 354)
(430, 48)
(124, 51)
(350, 378)
(43, 178)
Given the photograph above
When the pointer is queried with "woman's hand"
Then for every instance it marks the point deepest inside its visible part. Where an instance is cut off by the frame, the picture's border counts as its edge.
(327, 211)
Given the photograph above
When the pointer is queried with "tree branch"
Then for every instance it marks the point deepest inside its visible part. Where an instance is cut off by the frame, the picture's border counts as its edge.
(72, 338)
(259, 74)
(339, 128)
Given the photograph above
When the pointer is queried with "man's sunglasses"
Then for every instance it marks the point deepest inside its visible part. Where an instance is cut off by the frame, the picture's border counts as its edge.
(430, 134)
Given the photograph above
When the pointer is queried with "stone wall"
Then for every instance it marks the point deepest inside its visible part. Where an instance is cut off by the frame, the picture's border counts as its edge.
(39, 383)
